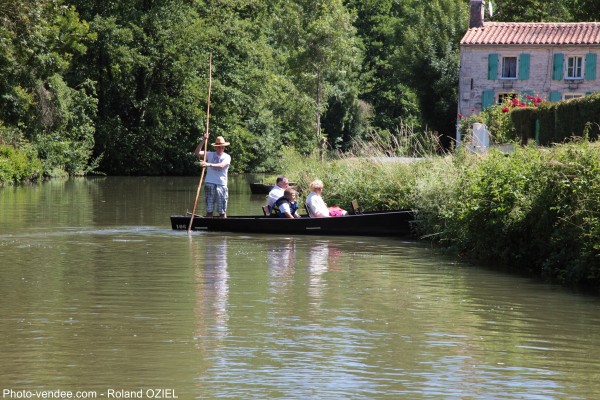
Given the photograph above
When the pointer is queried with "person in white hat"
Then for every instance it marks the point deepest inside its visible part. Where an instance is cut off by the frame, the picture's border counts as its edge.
(216, 164)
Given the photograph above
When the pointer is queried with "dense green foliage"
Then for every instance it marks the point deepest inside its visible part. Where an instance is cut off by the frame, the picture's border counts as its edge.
(498, 121)
(18, 165)
(121, 86)
(410, 73)
(40, 103)
(533, 211)
(524, 120)
(576, 117)
(534, 10)
(541, 122)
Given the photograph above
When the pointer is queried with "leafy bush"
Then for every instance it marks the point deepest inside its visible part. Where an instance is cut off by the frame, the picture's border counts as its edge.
(498, 118)
(565, 119)
(534, 211)
(524, 121)
(66, 144)
(10, 135)
(497, 121)
(18, 165)
(373, 182)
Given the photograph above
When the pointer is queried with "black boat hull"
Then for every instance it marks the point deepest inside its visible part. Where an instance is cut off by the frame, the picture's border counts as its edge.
(388, 223)
(263, 188)
(260, 188)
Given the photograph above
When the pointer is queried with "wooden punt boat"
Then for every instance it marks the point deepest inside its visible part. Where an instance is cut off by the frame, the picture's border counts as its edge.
(380, 223)
(260, 188)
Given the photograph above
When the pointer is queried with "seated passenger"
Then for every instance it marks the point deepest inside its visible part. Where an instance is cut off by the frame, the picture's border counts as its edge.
(314, 202)
(286, 206)
(276, 192)
(316, 205)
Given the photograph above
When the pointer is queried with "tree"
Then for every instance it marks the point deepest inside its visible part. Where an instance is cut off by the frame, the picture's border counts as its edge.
(151, 69)
(531, 11)
(256, 107)
(429, 61)
(584, 10)
(322, 53)
(381, 26)
(39, 99)
(151, 77)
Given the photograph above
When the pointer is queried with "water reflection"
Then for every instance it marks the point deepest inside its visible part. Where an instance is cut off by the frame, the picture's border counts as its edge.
(96, 290)
(211, 280)
(281, 258)
(322, 257)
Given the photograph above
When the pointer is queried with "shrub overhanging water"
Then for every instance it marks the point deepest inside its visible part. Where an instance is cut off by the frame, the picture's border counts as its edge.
(533, 211)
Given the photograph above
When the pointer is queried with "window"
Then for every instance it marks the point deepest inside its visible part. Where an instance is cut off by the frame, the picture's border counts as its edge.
(509, 68)
(568, 96)
(574, 67)
(506, 96)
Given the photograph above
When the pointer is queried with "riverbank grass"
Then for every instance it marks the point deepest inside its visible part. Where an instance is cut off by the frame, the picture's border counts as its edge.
(535, 211)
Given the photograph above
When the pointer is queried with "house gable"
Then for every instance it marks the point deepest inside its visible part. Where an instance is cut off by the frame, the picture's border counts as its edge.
(551, 60)
(533, 34)
(500, 60)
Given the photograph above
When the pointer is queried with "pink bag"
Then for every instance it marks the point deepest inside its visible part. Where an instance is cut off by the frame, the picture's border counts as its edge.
(336, 211)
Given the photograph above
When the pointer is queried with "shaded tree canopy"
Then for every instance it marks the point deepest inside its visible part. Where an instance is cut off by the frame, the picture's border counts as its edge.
(120, 86)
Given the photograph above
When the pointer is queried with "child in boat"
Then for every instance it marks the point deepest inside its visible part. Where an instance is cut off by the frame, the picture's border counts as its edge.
(286, 206)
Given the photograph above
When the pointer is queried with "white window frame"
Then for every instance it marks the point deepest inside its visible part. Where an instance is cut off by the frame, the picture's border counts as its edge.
(574, 72)
(502, 59)
(502, 95)
(569, 96)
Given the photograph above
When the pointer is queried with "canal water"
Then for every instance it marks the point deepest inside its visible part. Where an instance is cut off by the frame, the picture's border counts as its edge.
(99, 298)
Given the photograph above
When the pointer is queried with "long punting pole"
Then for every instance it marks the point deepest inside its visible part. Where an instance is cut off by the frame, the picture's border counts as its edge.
(205, 144)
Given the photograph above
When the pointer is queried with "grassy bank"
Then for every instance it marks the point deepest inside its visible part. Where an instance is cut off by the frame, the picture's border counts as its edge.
(533, 211)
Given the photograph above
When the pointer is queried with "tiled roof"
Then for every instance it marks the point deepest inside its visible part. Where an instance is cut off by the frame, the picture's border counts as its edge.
(536, 33)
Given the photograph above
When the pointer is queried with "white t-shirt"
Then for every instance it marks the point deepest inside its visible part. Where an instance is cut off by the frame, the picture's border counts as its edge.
(275, 194)
(316, 205)
(285, 208)
(218, 176)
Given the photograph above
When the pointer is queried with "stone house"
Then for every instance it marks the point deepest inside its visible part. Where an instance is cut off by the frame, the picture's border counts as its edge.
(555, 61)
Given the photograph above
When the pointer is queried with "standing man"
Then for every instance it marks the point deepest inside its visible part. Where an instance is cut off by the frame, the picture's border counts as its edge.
(217, 164)
(276, 193)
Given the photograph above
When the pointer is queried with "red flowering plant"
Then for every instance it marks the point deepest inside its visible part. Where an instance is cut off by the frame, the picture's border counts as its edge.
(526, 101)
(497, 118)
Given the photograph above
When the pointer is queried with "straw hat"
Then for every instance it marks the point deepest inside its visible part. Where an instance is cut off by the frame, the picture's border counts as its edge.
(220, 142)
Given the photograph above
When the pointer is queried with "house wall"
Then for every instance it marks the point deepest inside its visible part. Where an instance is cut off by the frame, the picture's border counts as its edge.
(473, 76)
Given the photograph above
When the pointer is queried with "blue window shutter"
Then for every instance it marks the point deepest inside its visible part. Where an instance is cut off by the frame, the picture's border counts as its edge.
(590, 67)
(524, 67)
(492, 67)
(557, 73)
(555, 96)
(487, 99)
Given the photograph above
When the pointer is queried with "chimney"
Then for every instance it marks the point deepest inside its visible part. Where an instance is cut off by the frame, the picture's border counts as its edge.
(476, 19)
